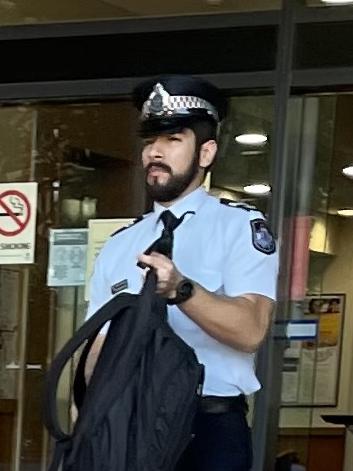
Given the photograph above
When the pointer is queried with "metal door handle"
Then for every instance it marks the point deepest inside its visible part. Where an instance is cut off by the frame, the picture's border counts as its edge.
(12, 366)
(29, 366)
(33, 366)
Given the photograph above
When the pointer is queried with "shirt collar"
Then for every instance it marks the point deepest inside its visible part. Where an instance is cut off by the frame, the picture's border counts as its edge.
(190, 202)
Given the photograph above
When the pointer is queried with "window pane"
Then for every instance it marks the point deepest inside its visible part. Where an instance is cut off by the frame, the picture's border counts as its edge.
(241, 165)
(85, 161)
(44, 11)
(317, 45)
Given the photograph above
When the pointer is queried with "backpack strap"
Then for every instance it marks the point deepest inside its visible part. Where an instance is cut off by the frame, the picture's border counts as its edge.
(89, 330)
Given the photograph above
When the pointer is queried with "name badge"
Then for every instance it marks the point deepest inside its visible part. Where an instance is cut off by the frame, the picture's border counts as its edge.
(120, 286)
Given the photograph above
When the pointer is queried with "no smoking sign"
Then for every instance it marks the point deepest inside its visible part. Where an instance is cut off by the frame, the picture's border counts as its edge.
(18, 208)
(15, 212)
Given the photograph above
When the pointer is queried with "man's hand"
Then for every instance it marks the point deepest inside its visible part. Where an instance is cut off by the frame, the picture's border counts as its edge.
(168, 276)
(240, 322)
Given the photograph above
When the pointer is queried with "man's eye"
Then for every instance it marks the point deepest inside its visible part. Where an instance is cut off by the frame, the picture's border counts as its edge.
(147, 142)
(174, 138)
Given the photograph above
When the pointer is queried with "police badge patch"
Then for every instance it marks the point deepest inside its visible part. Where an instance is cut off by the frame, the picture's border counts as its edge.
(262, 238)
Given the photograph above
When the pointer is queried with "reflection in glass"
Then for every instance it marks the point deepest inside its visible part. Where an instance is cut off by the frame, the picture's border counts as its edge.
(41, 11)
(242, 172)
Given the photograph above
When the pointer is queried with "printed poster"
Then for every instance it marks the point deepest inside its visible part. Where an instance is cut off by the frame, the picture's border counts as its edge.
(67, 257)
(315, 371)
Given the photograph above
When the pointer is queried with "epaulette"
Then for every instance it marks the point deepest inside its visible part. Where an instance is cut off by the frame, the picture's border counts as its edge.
(135, 221)
(235, 204)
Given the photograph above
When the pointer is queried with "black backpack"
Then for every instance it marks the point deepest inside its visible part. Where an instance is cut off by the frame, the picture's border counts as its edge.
(136, 413)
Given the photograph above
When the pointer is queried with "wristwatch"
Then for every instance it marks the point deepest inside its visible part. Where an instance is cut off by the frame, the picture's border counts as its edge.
(184, 291)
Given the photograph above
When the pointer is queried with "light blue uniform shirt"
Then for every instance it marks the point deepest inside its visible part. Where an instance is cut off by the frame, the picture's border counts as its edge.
(215, 248)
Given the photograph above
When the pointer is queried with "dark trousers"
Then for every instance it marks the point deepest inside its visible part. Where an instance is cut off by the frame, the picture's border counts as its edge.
(222, 442)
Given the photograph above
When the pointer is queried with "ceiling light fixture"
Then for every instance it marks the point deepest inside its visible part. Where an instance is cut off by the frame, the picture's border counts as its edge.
(348, 213)
(258, 189)
(348, 171)
(337, 2)
(251, 139)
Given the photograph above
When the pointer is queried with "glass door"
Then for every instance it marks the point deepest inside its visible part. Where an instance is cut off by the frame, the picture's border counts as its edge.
(315, 372)
(85, 161)
(17, 131)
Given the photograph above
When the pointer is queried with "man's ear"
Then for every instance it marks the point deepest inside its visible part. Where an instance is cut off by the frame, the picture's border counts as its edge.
(207, 153)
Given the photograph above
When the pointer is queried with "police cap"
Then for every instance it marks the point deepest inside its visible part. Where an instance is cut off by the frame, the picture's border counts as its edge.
(173, 102)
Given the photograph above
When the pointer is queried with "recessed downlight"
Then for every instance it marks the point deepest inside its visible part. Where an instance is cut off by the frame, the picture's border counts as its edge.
(257, 189)
(251, 139)
(348, 213)
(348, 171)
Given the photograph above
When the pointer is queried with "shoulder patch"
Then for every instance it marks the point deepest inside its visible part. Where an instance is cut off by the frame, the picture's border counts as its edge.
(138, 219)
(262, 238)
(235, 204)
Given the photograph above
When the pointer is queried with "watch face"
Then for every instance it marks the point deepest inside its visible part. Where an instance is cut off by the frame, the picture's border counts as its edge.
(184, 291)
(185, 288)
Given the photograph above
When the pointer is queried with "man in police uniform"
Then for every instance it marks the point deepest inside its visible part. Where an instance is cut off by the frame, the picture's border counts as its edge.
(221, 281)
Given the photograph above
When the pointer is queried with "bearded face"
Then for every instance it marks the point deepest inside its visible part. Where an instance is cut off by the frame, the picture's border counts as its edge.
(171, 165)
(174, 185)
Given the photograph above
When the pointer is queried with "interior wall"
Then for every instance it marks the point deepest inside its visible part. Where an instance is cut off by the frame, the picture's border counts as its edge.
(337, 278)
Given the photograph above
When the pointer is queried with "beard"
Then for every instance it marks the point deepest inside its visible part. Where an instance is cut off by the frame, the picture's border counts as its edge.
(176, 184)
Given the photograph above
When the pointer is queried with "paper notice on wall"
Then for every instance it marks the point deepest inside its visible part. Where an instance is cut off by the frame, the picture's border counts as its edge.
(67, 257)
(318, 376)
(290, 373)
(99, 231)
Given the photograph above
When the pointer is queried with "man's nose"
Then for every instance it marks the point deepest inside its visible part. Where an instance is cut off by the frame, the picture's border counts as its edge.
(156, 150)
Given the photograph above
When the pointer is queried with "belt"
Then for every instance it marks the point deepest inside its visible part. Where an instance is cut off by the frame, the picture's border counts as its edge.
(222, 404)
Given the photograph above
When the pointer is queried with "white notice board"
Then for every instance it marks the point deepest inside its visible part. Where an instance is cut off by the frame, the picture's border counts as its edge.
(99, 231)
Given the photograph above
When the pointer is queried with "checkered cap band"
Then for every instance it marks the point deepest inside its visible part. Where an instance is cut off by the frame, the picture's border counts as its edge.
(180, 104)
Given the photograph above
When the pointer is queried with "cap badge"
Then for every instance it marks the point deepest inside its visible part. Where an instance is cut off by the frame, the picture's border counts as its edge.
(159, 100)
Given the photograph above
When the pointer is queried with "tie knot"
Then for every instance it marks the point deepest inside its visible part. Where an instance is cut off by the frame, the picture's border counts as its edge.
(170, 221)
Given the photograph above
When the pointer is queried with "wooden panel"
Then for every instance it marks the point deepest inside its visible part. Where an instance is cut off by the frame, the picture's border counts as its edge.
(317, 449)
(326, 453)
(7, 421)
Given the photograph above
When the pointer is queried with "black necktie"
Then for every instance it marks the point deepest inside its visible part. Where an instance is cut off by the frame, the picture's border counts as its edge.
(164, 244)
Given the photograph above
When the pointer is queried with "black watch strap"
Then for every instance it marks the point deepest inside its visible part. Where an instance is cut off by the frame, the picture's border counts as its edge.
(184, 291)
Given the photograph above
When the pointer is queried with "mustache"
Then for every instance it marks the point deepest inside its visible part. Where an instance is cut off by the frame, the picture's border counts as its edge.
(158, 165)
